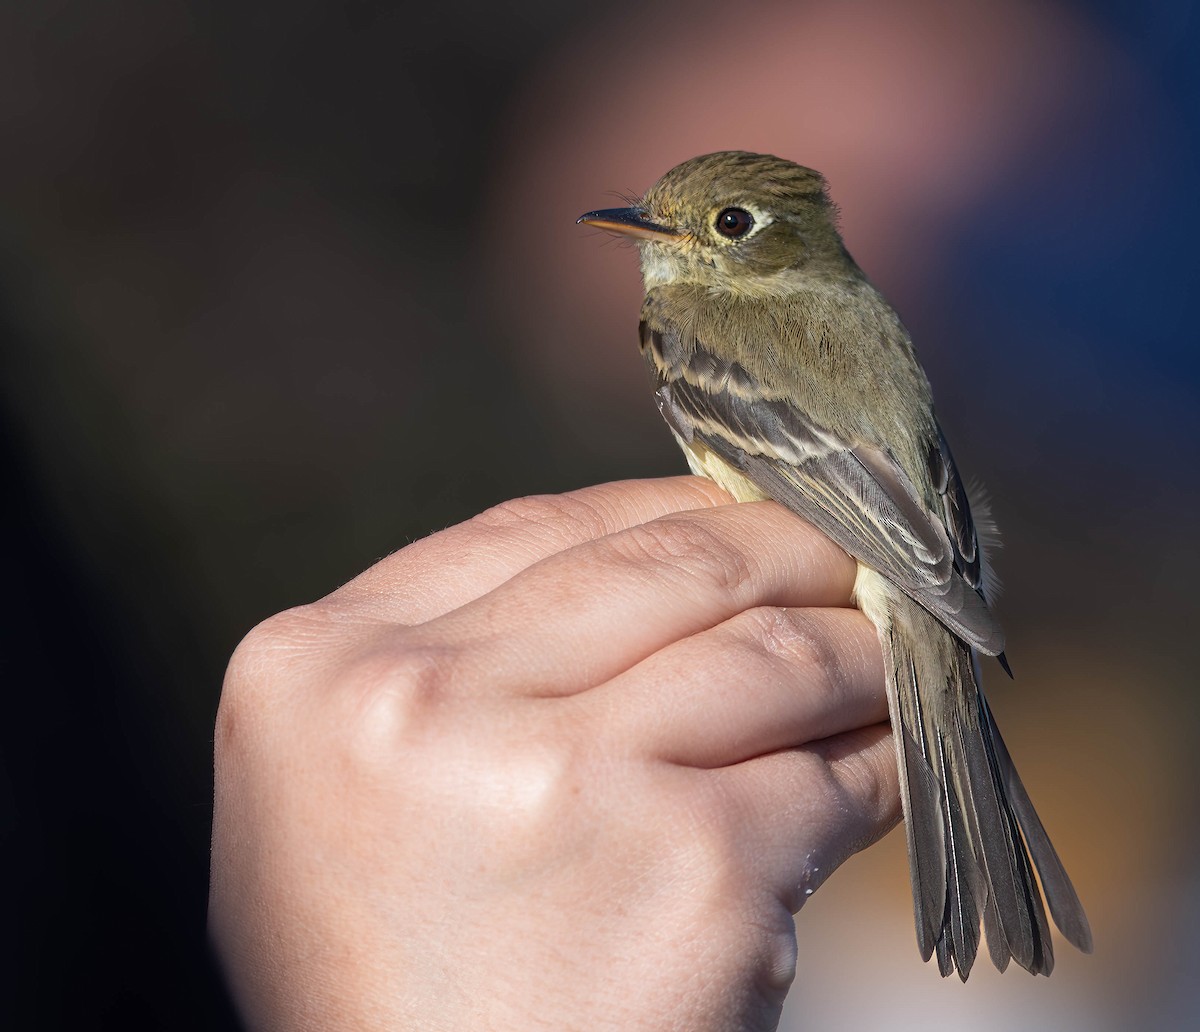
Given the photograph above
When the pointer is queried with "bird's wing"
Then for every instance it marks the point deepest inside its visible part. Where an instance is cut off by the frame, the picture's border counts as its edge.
(856, 494)
(956, 515)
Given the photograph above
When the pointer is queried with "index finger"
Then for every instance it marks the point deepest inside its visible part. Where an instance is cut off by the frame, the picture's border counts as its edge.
(446, 570)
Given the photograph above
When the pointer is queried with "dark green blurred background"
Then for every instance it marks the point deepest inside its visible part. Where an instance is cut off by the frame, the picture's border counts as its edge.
(285, 286)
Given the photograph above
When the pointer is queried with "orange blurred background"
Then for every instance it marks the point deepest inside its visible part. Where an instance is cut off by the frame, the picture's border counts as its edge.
(287, 286)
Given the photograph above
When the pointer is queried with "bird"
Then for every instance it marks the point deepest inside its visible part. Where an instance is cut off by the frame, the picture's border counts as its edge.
(784, 374)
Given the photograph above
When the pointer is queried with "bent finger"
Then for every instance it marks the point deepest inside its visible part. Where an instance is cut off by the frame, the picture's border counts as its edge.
(767, 679)
(581, 617)
(448, 569)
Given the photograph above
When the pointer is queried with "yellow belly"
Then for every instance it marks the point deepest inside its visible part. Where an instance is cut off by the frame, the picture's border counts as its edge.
(873, 594)
(705, 463)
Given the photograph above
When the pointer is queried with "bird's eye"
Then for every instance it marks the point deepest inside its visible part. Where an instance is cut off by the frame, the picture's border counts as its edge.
(734, 222)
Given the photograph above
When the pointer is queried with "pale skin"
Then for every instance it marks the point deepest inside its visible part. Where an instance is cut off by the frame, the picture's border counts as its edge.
(572, 764)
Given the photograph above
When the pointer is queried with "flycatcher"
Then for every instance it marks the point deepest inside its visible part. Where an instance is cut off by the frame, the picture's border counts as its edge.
(784, 374)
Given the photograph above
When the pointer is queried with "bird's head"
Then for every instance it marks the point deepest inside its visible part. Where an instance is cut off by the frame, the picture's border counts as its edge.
(748, 223)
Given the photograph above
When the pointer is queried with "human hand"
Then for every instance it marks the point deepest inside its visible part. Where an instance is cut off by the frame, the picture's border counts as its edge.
(571, 764)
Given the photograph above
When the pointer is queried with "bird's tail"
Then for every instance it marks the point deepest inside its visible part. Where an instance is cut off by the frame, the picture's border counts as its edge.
(974, 838)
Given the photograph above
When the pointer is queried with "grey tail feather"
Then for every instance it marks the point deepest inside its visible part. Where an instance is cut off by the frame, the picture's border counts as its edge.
(968, 818)
(1065, 907)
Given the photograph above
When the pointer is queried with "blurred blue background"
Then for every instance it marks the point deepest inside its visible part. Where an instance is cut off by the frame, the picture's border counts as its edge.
(284, 286)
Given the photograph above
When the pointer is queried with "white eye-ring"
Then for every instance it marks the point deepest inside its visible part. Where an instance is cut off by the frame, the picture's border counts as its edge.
(738, 223)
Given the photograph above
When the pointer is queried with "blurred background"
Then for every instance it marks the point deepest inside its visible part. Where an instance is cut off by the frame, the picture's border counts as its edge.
(285, 286)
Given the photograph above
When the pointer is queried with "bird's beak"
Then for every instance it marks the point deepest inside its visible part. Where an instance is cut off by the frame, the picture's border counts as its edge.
(628, 222)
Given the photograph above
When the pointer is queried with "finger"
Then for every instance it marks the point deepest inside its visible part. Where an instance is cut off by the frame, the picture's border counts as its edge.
(455, 566)
(767, 679)
(803, 812)
(580, 617)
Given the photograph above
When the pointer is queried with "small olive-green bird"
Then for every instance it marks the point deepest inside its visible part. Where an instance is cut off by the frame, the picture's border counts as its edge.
(784, 374)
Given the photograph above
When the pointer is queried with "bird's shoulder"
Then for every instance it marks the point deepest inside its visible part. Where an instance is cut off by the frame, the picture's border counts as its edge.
(834, 350)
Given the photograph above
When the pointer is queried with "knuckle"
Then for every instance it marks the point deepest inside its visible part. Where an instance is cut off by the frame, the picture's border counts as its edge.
(389, 694)
(867, 774)
(792, 638)
(289, 630)
(535, 788)
(689, 545)
(565, 515)
(858, 773)
(525, 780)
(267, 659)
(273, 646)
(802, 636)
